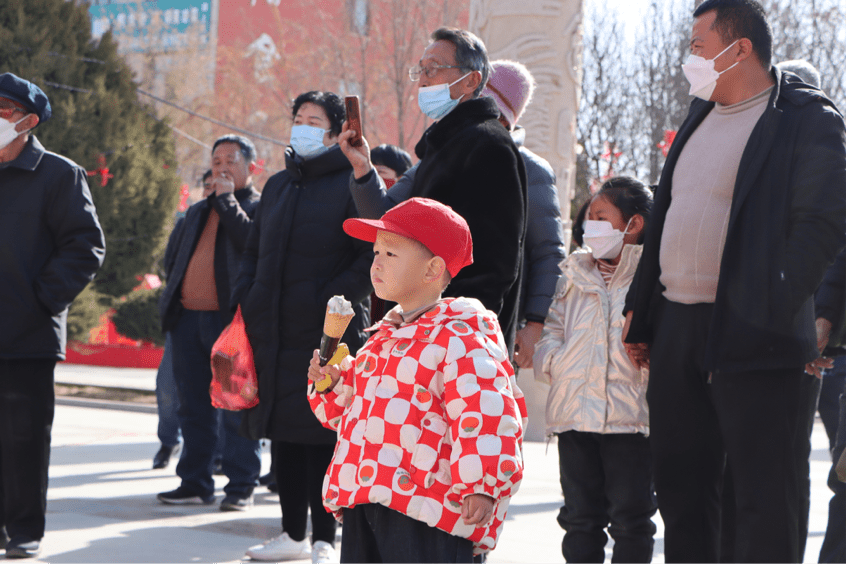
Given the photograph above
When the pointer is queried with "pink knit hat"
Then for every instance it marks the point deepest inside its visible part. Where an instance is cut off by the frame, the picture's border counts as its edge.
(511, 85)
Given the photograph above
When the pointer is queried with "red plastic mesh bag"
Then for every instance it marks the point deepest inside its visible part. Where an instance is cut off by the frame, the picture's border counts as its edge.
(234, 384)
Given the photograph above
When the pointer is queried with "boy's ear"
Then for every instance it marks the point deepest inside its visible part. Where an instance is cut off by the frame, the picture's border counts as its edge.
(435, 269)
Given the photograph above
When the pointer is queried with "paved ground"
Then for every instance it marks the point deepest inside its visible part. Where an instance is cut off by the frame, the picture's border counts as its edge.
(102, 505)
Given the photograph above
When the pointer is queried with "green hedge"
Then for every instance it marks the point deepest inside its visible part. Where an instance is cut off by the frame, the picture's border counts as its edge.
(137, 316)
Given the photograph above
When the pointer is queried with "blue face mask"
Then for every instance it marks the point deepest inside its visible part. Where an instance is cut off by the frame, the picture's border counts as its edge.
(307, 140)
(435, 101)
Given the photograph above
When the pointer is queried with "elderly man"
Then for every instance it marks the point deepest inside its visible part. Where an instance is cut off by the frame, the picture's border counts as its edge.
(52, 246)
(201, 265)
(749, 213)
(467, 161)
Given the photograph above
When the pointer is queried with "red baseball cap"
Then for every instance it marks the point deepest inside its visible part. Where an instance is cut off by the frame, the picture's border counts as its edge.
(431, 223)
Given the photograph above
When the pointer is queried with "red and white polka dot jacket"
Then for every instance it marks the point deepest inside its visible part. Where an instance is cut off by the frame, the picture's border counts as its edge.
(429, 413)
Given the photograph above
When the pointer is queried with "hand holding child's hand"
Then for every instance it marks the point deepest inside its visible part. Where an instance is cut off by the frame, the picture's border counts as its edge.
(477, 509)
(317, 372)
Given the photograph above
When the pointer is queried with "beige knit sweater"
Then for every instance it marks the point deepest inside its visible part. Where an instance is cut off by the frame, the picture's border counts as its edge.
(702, 190)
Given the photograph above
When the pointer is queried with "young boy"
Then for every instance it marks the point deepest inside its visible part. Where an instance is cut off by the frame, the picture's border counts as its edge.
(429, 417)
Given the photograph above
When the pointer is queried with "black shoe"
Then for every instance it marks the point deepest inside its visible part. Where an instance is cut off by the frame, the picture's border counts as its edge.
(22, 547)
(236, 503)
(182, 496)
(268, 478)
(272, 487)
(162, 458)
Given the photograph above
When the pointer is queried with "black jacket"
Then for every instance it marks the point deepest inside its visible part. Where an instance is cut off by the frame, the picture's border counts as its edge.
(787, 223)
(830, 304)
(297, 257)
(469, 162)
(236, 211)
(51, 244)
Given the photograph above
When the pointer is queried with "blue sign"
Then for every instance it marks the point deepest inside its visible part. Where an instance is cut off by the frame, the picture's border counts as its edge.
(160, 25)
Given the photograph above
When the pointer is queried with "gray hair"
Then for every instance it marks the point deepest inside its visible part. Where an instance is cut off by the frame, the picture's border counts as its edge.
(803, 69)
(470, 52)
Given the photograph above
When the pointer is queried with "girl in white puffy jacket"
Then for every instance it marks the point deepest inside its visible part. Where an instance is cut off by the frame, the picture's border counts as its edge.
(597, 399)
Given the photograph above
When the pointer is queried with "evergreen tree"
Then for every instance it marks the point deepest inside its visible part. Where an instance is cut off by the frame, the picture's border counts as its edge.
(49, 43)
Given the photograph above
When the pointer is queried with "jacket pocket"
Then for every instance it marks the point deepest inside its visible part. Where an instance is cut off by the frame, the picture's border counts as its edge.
(424, 464)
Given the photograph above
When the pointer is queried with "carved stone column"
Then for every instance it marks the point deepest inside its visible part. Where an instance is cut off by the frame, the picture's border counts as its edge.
(546, 36)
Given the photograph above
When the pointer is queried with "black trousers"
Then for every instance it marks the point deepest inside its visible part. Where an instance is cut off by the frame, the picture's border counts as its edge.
(375, 533)
(697, 422)
(834, 544)
(27, 405)
(607, 482)
(299, 476)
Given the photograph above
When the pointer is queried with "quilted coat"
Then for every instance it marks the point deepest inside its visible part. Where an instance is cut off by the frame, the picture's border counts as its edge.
(429, 414)
(594, 386)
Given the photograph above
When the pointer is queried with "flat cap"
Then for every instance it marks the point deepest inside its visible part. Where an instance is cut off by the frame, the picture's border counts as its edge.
(26, 93)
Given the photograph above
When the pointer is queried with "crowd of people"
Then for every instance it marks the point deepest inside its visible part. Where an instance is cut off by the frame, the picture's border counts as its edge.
(683, 340)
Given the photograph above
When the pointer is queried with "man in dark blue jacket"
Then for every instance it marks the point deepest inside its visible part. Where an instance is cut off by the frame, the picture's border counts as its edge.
(749, 212)
(201, 265)
(51, 247)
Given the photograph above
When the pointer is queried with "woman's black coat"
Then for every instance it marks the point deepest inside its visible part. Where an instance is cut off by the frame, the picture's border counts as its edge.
(297, 257)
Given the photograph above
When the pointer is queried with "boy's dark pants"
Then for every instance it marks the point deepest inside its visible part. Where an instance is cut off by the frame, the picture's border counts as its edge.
(749, 417)
(606, 479)
(375, 533)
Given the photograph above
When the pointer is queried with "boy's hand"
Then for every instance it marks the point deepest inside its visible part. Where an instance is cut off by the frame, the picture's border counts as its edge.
(477, 509)
(317, 372)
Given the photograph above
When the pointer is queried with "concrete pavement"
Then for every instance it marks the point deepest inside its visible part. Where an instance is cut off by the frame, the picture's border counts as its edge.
(102, 505)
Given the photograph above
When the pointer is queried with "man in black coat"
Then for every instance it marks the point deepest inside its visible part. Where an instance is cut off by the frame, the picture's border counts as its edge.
(469, 162)
(52, 245)
(749, 212)
(201, 265)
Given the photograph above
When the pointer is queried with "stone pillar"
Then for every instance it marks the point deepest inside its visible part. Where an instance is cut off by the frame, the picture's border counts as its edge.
(546, 36)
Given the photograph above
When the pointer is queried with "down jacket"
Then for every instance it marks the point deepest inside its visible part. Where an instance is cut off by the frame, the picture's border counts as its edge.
(297, 256)
(594, 386)
(429, 414)
(544, 236)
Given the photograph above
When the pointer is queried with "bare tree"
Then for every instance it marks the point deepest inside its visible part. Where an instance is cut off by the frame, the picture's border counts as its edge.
(633, 94)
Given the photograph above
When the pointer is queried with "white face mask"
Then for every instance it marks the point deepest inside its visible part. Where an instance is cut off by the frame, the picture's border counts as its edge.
(307, 140)
(701, 75)
(8, 133)
(604, 241)
(435, 101)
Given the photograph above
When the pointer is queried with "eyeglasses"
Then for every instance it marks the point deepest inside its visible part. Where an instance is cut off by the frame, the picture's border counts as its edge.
(430, 71)
(8, 111)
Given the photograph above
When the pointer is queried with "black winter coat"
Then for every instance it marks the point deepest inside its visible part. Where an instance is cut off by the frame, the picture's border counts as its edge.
(830, 304)
(297, 257)
(469, 162)
(236, 211)
(51, 244)
(787, 223)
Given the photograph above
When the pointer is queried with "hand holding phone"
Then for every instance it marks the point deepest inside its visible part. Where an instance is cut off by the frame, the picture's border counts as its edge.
(354, 119)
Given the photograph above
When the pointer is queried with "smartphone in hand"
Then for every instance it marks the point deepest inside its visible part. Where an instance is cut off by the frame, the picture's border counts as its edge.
(354, 119)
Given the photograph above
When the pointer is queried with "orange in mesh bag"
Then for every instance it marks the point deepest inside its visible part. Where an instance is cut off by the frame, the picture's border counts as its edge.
(234, 384)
